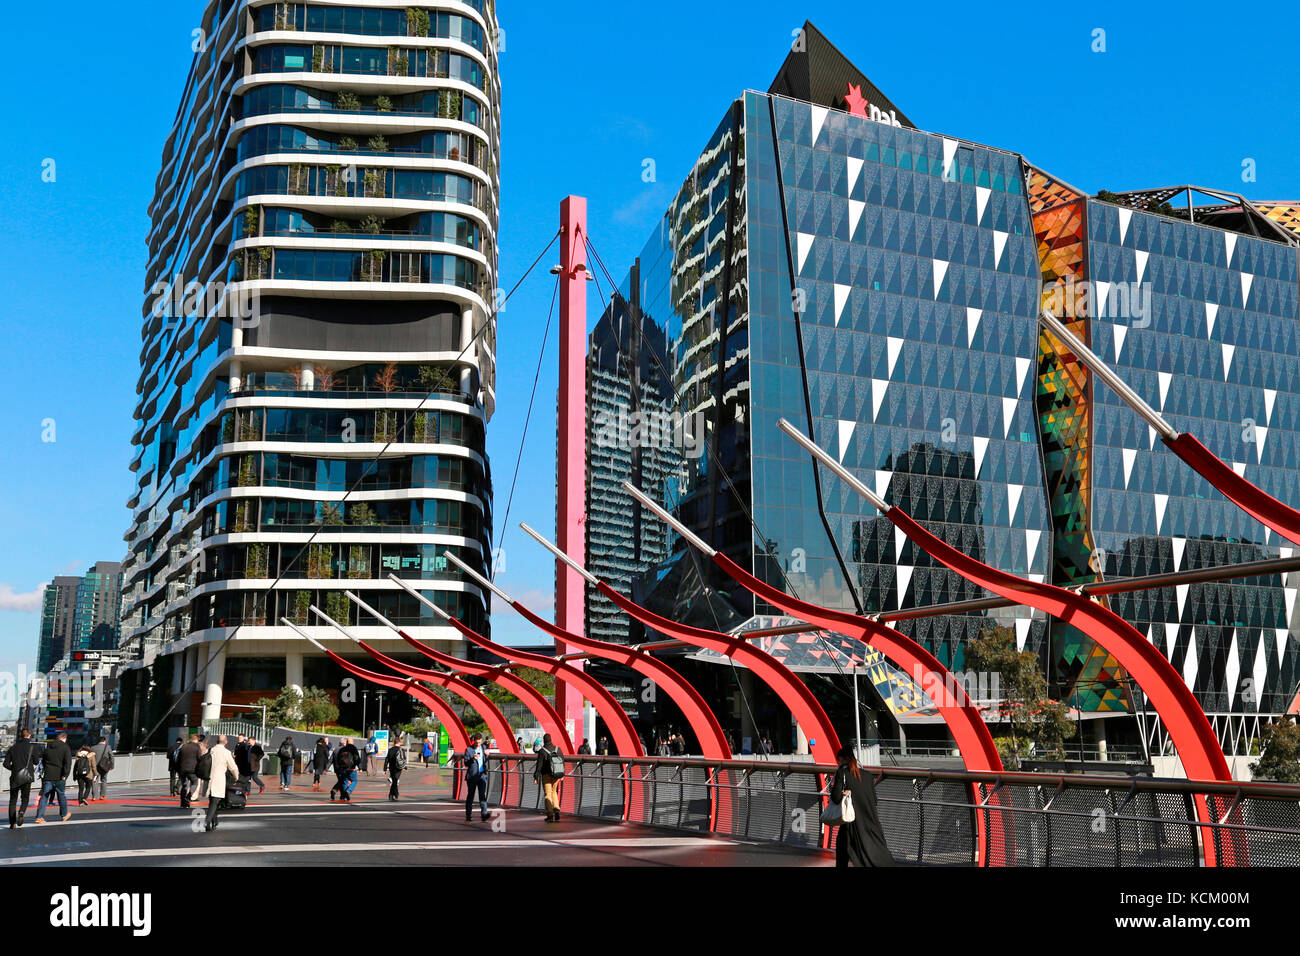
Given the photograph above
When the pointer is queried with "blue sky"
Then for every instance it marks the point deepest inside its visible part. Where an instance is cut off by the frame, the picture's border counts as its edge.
(589, 95)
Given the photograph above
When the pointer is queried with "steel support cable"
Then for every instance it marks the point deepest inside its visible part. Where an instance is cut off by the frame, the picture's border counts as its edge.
(695, 558)
(546, 334)
(201, 673)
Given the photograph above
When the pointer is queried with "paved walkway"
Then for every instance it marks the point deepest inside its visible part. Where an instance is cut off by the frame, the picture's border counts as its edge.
(141, 826)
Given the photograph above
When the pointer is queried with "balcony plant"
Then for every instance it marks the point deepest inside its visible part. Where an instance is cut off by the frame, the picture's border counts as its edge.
(417, 22)
(373, 184)
(320, 562)
(373, 225)
(251, 220)
(347, 101)
(301, 606)
(377, 144)
(383, 104)
(323, 376)
(358, 561)
(338, 607)
(256, 561)
(247, 472)
(362, 514)
(398, 62)
(386, 378)
(331, 514)
(347, 144)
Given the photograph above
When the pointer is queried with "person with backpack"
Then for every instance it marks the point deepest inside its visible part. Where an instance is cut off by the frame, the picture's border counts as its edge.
(20, 761)
(187, 764)
(346, 760)
(174, 767)
(287, 753)
(55, 767)
(103, 766)
(394, 764)
(255, 757)
(372, 755)
(320, 761)
(475, 758)
(83, 771)
(549, 770)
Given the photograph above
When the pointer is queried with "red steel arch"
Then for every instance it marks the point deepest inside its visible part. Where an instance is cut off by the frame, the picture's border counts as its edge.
(1189, 729)
(704, 724)
(455, 729)
(620, 726)
(1251, 499)
(531, 698)
(713, 742)
(496, 721)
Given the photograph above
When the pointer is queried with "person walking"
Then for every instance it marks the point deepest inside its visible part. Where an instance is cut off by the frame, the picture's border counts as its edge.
(205, 745)
(394, 764)
(603, 749)
(584, 747)
(57, 764)
(476, 778)
(255, 757)
(173, 767)
(187, 764)
(287, 753)
(20, 761)
(83, 771)
(240, 753)
(346, 761)
(221, 766)
(103, 767)
(426, 752)
(371, 760)
(862, 841)
(549, 770)
(320, 761)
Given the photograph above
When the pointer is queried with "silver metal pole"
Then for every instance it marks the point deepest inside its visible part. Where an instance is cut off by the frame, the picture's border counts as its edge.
(857, 714)
(1107, 375)
(826, 459)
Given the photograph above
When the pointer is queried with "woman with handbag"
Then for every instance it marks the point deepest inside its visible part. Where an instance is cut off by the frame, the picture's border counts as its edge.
(860, 840)
(19, 761)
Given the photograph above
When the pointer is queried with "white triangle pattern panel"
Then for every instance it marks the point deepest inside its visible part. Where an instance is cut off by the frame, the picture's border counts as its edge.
(1130, 456)
(819, 114)
(1013, 500)
(841, 300)
(846, 436)
(804, 243)
(904, 578)
(1022, 632)
(981, 446)
(972, 324)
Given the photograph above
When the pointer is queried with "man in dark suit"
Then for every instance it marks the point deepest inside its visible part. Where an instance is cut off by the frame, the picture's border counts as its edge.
(187, 763)
(21, 761)
(57, 764)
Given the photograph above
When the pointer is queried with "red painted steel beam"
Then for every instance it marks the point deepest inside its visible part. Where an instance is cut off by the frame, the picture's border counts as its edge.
(703, 722)
(1189, 729)
(446, 714)
(1253, 500)
(529, 695)
(620, 726)
(793, 692)
(496, 721)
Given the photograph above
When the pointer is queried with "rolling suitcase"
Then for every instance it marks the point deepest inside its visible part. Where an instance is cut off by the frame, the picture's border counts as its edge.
(236, 798)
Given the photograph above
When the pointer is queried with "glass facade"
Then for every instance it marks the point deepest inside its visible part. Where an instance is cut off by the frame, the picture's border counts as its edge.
(917, 265)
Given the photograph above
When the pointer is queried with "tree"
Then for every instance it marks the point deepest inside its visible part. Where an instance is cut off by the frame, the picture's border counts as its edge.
(1280, 756)
(317, 708)
(1038, 724)
(386, 378)
(284, 710)
(362, 514)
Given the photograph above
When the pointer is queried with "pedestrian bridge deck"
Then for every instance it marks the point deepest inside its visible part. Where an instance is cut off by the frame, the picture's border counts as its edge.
(141, 826)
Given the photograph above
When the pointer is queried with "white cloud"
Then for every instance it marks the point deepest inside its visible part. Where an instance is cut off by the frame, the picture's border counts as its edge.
(28, 603)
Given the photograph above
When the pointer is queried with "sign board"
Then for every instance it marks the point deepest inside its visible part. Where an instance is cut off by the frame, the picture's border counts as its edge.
(444, 747)
(381, 739)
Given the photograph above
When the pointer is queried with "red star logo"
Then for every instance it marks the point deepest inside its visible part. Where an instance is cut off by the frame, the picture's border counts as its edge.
(857, 102)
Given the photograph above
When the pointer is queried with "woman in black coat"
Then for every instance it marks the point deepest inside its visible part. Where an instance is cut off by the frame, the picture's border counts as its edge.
(319, 762)
(862, 842)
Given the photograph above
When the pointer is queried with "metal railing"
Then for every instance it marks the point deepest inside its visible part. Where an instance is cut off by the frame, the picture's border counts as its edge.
(932, 817)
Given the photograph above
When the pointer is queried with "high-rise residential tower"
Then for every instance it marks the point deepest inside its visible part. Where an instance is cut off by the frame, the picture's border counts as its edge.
(80, 613)
(333, 170)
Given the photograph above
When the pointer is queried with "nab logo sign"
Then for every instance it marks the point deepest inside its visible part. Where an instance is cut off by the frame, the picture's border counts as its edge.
(859, 106)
